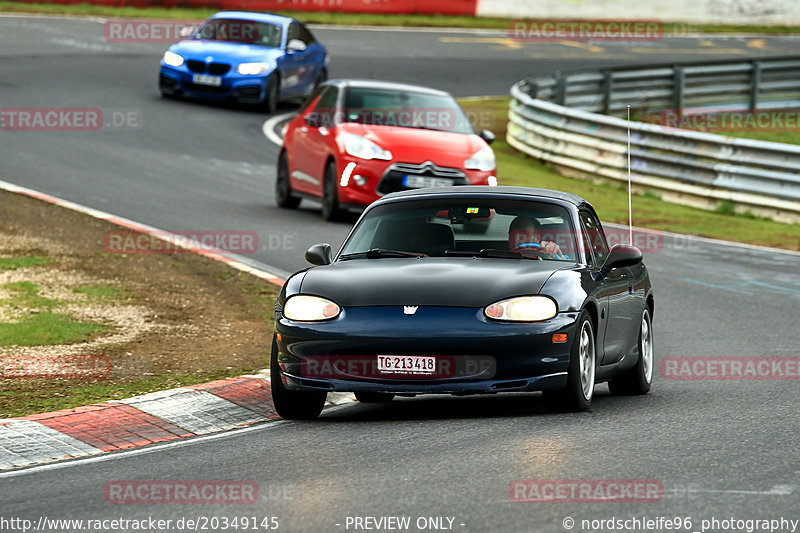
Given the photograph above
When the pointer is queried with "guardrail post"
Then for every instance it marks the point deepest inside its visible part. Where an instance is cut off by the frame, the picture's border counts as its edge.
(755, 84)
(678, 86)
(608, 87)
(561, 88)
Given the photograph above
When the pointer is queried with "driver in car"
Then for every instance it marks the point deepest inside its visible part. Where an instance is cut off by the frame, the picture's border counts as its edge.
(525, 235)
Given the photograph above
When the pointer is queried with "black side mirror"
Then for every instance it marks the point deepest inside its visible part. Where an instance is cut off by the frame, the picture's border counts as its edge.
(319, 254)
(623, 255)
(487, 136)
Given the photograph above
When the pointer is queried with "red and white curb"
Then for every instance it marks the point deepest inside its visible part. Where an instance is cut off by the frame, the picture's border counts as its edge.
(142, 420)
(117, 425)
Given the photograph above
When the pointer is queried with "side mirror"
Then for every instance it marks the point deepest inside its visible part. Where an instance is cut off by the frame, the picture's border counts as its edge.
(623, 255)
(295, 45)
(487, 136)
(319, 254)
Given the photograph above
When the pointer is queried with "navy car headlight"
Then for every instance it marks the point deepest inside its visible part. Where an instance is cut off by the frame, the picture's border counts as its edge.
(522, 309)
(304, 308)
(253, 69)
(483, 160)
(172, 59)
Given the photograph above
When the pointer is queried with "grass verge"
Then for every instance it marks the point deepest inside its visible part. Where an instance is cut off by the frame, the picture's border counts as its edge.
(353, 19)
(611, 200)
(79, 325)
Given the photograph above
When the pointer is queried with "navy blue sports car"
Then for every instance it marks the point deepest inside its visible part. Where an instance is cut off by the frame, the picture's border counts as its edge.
(464, 290)
(248, 57)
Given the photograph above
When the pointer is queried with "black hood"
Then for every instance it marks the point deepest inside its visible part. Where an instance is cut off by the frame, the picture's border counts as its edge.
(447, 281)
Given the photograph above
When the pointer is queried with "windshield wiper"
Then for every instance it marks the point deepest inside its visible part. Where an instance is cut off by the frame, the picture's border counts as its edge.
(376, 253)
(489, 252)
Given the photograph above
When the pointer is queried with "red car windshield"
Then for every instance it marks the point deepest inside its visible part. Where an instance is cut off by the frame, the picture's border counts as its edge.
(408, 109)
(240, 31)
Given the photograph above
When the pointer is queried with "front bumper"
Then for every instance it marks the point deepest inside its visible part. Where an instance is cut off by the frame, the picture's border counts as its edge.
(362, 181)
(485, 356)
(233, 86)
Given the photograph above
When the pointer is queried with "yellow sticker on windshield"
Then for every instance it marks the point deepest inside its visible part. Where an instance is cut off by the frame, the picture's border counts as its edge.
(473, 210)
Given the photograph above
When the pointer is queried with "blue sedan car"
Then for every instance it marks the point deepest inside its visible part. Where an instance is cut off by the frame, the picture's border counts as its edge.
(253, 58)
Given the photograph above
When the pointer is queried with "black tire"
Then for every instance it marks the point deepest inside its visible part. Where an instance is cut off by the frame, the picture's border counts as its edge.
(374, 397)
(577, 395)
(270, 102)
(289, 404)
(638, 379)
(283, 188)
(330, 195)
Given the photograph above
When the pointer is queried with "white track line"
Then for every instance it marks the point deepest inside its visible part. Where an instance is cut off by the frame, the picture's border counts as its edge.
(234, 260)
(268, 128)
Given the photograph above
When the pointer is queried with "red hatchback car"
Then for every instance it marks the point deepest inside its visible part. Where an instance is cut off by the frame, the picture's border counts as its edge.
(354, 141)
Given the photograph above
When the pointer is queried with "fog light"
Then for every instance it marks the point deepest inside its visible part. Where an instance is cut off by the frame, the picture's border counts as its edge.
(359, 179)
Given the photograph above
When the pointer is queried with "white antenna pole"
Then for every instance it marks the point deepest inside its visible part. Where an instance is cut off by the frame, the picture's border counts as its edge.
(630, 210)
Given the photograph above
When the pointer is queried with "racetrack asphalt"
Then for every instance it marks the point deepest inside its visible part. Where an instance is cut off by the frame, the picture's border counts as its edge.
(720, 448)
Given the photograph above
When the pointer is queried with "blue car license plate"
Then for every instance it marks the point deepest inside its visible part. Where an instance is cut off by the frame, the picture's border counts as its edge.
(203, 79)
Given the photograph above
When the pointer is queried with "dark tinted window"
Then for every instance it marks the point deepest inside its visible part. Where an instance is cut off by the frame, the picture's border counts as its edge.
(462, 226)
(240, 31)
(404, 108)
(595, 236)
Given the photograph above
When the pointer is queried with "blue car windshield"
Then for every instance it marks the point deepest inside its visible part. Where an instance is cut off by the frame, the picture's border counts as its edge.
(390, 107)
(501, 228)
(240, 31)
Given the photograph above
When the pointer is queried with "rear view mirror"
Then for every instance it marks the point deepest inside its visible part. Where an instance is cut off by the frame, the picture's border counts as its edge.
(295, 45)
(487, 136)
(319, 254)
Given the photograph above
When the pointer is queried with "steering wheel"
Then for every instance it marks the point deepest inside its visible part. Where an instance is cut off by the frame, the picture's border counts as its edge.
(526, 248)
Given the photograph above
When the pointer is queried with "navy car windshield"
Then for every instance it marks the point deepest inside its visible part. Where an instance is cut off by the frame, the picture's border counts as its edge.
(506, 229)
(240, 31)
(404, 108)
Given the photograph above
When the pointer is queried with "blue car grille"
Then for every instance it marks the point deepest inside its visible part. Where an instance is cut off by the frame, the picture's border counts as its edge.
(200, 67)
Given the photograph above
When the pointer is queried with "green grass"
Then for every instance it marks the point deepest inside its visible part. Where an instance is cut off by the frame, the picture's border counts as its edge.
(102, 292)
(14, 263)
(611, 201)
(40, 325)
(41, 396)
(357, 19)
(44, 329)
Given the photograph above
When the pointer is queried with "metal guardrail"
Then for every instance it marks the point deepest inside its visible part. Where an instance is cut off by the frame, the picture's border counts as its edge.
(557, 119)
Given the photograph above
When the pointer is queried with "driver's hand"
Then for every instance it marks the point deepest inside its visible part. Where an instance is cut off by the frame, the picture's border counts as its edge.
(549, 247)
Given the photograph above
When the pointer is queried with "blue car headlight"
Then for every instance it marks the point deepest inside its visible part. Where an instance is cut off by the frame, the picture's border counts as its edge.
(172, 59)
(254, 69)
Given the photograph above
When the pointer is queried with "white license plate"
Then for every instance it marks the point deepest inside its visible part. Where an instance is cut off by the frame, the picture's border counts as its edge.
(418, 182)
(203, 79)
(406, 364)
